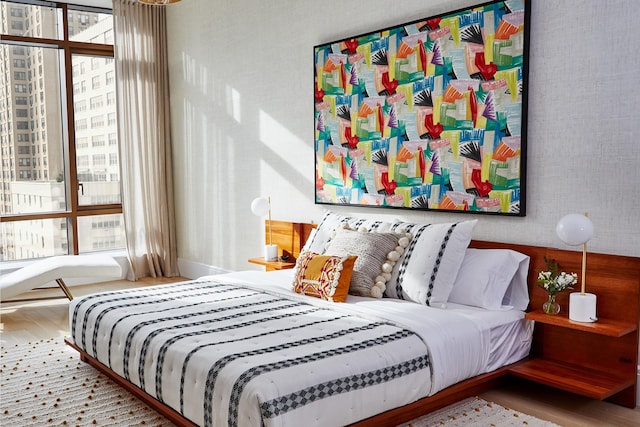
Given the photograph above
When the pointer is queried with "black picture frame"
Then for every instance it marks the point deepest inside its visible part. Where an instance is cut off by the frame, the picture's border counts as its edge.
(426, 115)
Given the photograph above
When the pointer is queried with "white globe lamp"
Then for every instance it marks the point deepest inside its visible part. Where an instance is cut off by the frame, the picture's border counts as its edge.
(574, 230)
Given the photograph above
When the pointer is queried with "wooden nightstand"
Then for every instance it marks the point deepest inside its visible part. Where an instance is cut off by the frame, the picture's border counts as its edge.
(272, 265)
(596, 360)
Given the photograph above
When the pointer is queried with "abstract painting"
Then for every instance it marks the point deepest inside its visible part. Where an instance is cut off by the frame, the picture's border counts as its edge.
(427, 115)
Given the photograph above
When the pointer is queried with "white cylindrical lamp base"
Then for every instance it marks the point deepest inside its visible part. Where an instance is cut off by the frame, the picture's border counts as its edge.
(582, 307)
(270, 252)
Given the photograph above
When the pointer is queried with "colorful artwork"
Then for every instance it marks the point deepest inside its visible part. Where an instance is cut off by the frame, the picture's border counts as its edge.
(426, 115)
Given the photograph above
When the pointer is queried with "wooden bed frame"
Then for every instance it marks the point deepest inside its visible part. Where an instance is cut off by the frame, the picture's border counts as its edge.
(597, 360)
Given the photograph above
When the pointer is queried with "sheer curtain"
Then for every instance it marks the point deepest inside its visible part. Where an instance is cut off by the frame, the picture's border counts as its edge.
(145, 138)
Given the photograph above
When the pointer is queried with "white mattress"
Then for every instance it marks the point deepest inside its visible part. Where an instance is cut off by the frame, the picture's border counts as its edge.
(463, 341)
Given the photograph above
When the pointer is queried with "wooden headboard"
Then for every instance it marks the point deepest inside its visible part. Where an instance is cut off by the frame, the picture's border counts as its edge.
(614, 279)
(289, 236)
(605, 352)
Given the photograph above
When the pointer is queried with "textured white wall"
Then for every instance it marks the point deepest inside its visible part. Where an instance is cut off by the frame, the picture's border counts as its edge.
(242, 119)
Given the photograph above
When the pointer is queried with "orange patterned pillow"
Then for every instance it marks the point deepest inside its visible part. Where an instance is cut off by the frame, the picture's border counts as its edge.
(323, 276)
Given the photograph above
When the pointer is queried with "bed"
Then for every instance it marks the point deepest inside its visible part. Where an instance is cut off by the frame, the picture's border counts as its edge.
(244, 349)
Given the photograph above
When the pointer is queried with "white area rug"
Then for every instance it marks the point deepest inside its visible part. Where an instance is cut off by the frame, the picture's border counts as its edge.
(44, 383)
(477, 412)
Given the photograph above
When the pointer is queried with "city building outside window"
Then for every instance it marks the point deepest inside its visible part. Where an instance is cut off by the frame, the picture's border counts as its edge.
(59, 178)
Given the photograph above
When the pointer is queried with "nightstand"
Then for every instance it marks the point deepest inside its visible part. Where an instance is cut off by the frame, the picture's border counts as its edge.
(272, 265)
(589, 359)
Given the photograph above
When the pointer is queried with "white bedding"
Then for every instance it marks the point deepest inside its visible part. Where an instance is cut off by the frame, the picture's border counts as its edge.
(423, 350)
(464, 341)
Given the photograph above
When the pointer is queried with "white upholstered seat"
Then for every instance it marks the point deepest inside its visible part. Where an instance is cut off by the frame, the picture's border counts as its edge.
(58, 268)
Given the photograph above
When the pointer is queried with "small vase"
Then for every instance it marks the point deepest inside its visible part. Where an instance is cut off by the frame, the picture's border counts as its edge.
(551, 306)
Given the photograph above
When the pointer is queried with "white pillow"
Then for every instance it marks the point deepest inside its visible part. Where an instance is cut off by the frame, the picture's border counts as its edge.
(426, 271)
(317, 241)
(487, 275)
(517, 295)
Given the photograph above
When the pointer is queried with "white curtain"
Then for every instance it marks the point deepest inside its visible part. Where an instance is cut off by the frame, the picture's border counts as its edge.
(145, 138)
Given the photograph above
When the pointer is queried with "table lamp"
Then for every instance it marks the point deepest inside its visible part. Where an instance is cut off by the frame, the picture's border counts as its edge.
(261, 206)
(577, 229)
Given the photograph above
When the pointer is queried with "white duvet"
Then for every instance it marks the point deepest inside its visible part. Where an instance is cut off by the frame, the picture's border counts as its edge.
(242, 349)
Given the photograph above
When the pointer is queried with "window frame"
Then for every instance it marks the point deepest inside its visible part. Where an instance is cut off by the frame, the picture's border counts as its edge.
(67, 49)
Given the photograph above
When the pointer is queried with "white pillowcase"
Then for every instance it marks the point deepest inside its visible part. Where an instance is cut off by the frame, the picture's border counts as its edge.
(426, 271)
(493, 279)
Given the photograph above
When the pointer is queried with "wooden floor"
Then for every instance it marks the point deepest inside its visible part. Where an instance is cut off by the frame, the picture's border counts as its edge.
(34, 320)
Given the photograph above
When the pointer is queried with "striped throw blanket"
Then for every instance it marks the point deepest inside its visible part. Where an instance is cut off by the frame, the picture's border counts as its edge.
(228, 354)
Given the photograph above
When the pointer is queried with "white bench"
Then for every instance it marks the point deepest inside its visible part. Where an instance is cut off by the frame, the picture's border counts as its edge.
(58, 268)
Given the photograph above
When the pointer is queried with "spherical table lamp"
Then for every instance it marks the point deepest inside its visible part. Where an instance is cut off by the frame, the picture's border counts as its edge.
(261, 206)
(577, 229)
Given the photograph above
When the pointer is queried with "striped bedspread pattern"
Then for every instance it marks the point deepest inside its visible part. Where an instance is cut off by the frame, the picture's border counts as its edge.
(228, 354)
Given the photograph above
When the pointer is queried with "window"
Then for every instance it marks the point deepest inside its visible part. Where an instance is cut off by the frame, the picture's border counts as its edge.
(96, 102)
(97, 141)
(111, 98)
(81, 124)
(99, 160)
(82, 143)
(97, 121)
(33, 125)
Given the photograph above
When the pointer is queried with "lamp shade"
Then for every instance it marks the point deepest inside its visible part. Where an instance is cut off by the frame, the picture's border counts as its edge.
(574, 229)
(260, 206)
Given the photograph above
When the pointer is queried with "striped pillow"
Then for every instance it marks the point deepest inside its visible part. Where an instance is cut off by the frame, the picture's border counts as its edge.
(318, 240)
(425, 273)
(323, 276)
